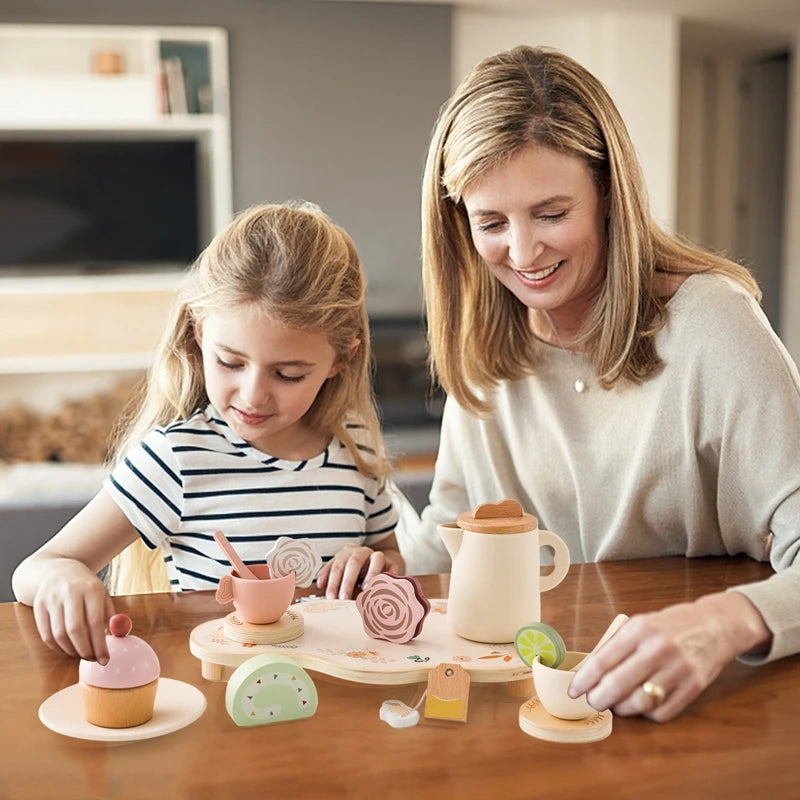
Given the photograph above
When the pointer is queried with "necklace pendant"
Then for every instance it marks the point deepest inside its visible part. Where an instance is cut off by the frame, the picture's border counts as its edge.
(579, 385)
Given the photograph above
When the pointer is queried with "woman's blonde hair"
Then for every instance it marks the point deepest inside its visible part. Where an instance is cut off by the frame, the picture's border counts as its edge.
(300, 269)
(478, 331)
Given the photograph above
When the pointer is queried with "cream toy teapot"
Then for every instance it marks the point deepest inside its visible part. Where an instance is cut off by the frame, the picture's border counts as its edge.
(495, 581)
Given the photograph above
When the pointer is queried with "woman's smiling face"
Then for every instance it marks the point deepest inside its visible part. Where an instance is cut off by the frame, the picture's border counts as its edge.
(538, 221)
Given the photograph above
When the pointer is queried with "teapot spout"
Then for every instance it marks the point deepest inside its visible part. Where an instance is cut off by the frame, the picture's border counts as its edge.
(452, 536)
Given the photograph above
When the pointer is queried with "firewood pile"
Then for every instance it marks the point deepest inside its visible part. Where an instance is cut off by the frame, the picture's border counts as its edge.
(78, 431)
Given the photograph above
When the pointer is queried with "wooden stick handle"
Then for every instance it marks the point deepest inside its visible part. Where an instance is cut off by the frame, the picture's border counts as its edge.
(615, 625)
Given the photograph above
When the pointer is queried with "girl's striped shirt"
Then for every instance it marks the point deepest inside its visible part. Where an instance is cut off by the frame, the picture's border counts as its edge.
(193, 477)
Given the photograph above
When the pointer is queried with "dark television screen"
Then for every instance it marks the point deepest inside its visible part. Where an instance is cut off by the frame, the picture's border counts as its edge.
(91, 206)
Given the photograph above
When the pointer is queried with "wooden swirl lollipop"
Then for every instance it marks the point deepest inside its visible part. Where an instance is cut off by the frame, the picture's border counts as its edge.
(393, 607)
(294, 555)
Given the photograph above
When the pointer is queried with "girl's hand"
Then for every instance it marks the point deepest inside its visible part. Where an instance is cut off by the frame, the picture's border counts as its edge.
(70, 604)
(339, 576)
(680, 650)
(71, 608)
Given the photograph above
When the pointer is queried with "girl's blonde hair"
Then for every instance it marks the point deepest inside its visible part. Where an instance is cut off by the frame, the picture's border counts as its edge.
(478, 331)
(300, 269)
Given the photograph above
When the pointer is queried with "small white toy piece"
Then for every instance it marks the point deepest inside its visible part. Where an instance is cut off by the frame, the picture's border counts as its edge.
(269, 688)
(294, 555)
(397, 714)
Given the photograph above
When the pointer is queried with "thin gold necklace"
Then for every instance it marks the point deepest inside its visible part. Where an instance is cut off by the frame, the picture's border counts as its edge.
(579, 384)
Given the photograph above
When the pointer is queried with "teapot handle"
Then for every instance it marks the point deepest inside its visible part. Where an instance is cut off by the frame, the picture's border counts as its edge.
(560, 560)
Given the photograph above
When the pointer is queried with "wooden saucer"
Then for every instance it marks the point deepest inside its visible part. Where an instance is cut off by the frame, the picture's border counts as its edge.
(535, 721)
(289, 626)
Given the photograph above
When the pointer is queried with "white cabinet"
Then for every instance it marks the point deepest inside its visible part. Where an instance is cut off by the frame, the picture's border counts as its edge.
(85, 82)
(52, 79)
(49, 77)
(74, 75)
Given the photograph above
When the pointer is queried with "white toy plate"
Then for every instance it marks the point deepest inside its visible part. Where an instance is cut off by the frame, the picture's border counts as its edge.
(178, 704)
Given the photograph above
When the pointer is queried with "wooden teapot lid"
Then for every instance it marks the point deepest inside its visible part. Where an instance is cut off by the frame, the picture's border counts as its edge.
(506, 516)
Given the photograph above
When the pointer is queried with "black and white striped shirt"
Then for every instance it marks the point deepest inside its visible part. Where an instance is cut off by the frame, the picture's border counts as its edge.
(196, 476)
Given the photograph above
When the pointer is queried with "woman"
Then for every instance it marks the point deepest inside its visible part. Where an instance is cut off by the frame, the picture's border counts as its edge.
(620, 383)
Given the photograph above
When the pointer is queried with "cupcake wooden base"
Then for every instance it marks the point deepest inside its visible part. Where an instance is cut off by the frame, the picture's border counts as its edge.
(535, 721)
(288, 627)
(119, 708)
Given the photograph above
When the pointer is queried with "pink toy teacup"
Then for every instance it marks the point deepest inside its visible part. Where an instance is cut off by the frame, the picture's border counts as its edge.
(257, 602)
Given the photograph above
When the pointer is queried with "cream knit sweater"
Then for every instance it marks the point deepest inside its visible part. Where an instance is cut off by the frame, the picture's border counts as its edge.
(703, 459)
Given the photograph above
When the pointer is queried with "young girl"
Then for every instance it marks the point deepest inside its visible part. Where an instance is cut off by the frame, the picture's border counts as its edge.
(258, 419)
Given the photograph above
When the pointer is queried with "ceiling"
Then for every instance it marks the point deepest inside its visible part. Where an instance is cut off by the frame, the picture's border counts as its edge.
(776, 16)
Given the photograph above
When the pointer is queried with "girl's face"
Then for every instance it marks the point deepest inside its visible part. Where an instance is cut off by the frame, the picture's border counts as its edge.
(262, 378)
(538, 221)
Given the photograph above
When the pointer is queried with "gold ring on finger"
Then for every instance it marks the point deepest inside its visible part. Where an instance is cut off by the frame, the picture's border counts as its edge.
(655, 690)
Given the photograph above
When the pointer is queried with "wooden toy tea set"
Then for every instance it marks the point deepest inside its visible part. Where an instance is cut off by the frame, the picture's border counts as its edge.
(392, 634)
(489, 631)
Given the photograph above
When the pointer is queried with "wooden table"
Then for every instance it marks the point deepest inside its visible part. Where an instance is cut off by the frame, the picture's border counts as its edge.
(739, 739)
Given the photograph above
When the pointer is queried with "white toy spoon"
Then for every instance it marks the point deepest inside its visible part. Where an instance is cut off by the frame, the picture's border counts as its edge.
(615, 625)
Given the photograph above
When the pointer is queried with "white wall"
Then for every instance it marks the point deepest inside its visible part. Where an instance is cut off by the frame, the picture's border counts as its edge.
(637, 56)
(790, 296)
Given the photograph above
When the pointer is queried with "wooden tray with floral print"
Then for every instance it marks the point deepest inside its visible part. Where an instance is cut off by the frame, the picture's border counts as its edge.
(334, 643)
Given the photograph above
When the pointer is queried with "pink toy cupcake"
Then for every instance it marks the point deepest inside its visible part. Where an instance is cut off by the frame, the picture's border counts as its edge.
(121, 694)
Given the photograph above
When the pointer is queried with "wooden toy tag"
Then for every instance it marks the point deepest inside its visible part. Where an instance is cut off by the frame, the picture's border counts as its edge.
(448, 693)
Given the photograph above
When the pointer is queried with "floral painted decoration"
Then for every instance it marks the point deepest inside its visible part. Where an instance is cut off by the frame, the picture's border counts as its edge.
(294, 555)
(393, 607)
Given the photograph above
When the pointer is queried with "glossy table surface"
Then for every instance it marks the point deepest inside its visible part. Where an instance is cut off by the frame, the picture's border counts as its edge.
(739, 739)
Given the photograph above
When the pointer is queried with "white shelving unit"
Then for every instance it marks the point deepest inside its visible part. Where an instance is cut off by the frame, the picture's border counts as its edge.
(47, 84)
(51, 83)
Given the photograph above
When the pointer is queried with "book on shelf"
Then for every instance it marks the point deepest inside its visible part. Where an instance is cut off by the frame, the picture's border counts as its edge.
(163, 99)
(172, 69)
(205, 99)
(187, 68)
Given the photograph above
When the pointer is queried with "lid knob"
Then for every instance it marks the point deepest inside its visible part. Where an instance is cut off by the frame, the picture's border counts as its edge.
(506, 516)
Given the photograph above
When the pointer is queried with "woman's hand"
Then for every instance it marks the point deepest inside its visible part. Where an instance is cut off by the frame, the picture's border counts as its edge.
(339, 576)
(657, 663)
(71, 608)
